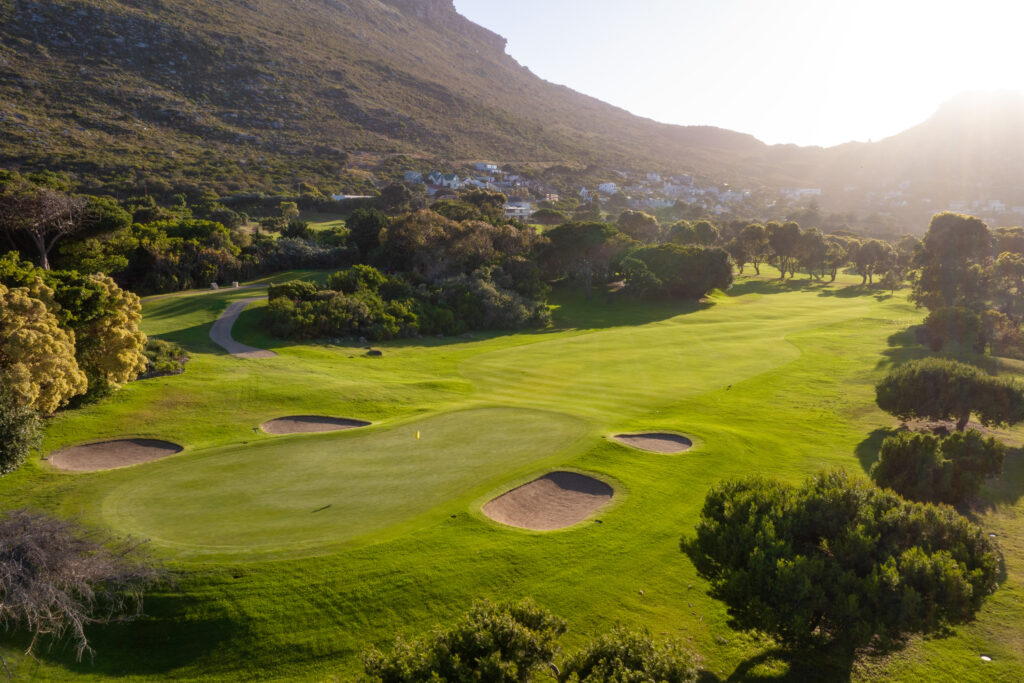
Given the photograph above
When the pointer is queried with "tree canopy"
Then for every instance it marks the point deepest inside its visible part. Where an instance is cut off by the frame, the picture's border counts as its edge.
(940, 389)
(838, 560)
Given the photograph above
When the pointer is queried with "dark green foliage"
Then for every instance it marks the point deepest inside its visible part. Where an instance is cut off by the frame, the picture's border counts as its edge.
(926, 468)
(363, 302)
(624, 656)
(639, 225)
(954, 256)
(491, 644)
(838, 560)
(364, 227)
(163, 358)
(678, 271)
(21, 432)
(784, 240)
(548, 216)
(956, 327)
(583, 250)
(939, 389)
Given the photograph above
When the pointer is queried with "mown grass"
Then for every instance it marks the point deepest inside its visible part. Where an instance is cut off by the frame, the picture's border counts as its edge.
(772, 378)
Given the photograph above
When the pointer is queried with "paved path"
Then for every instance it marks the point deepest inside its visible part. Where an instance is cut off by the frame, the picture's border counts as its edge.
(220, 333)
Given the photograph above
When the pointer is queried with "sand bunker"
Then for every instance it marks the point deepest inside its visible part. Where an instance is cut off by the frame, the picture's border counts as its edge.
(306, 424)
(658, 442)
(554, 501)
(107, 455)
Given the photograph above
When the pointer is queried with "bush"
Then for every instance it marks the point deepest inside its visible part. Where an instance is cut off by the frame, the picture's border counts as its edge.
(925, 468)
(163, 358)
(958, 327)
(491, 644)
(630, 657)
(838, 560)
(678, 271)
(20, 432)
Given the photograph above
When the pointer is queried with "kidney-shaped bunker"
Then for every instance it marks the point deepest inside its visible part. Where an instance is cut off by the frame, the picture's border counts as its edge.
(554, 501)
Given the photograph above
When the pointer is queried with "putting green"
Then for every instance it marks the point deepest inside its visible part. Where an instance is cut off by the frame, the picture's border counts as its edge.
(301, 493)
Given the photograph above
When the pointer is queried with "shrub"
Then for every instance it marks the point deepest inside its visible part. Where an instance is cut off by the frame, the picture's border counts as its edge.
(624, 656)
(20, 431)
(163, 358)
(491, 644)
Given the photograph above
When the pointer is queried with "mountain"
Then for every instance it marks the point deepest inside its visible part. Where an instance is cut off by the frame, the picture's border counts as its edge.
(262, 94)
(275, 92)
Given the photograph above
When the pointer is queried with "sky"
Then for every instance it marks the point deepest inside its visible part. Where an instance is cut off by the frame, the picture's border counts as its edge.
(819, 72)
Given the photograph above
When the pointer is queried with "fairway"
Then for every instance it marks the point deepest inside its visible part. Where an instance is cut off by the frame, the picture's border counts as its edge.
(294, 552)
(303, 492)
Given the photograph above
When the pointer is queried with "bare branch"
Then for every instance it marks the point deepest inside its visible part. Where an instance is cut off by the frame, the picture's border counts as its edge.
(56, 577)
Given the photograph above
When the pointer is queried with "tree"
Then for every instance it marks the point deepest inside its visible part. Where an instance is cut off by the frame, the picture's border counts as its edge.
(364, 227)
(755, 244)
(109, 347)
(738, 251)
(37, 357)
(583, 250)
(954, 257)
(20, 431)
(706, 234)
(839, 561)
(811, 251)
(639, 225)
(870, 258)
(682, 232)
(674, 270)
(40, 215)
(624, 656)
(926, 468)
(784, 240)
(548, 216)
(491, 644)
(956, 327)
(57, 577)
(939, 389)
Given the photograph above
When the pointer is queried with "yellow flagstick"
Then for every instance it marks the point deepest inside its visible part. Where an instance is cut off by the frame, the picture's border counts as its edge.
(417, 435)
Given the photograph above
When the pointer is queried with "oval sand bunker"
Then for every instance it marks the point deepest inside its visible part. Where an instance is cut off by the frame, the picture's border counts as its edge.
(307, 424)
(107, 455)
(554, 501)
(658, 442)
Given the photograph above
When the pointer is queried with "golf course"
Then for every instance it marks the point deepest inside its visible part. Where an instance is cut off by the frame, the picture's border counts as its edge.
(563, 464)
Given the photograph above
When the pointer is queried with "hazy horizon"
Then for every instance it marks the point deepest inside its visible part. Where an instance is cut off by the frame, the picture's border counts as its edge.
(805, 72)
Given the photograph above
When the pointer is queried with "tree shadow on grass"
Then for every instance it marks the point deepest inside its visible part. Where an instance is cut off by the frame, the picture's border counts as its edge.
(820, 664)
(867, 450)
(152, 647)
(1008, 488)
(776, 286)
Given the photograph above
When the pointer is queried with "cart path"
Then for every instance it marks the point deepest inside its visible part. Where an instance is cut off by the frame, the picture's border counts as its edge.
(220, 333)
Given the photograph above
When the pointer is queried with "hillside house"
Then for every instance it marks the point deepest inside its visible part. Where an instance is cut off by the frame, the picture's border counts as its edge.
(608, 188)
(518, 208)
(413, 177)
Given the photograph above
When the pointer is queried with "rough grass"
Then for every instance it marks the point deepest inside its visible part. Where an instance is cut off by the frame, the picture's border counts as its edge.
(771, 378)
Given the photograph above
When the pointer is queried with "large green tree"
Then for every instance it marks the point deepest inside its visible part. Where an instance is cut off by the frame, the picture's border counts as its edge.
(838, 560)
(955, 257)
(784, 240)
(940, 389)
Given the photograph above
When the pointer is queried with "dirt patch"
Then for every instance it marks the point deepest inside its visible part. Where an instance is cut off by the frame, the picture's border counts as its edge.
(658, 442)
(306, 424)
(108, 455)
(941, 427)
(554, 501)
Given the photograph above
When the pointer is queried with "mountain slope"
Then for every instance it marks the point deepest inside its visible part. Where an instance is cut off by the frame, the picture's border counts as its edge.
(101, 86)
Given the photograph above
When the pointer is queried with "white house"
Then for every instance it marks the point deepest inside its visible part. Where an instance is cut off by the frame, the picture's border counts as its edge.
(518, 209)
(484, 166)
(608, 188)
(585, 195)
